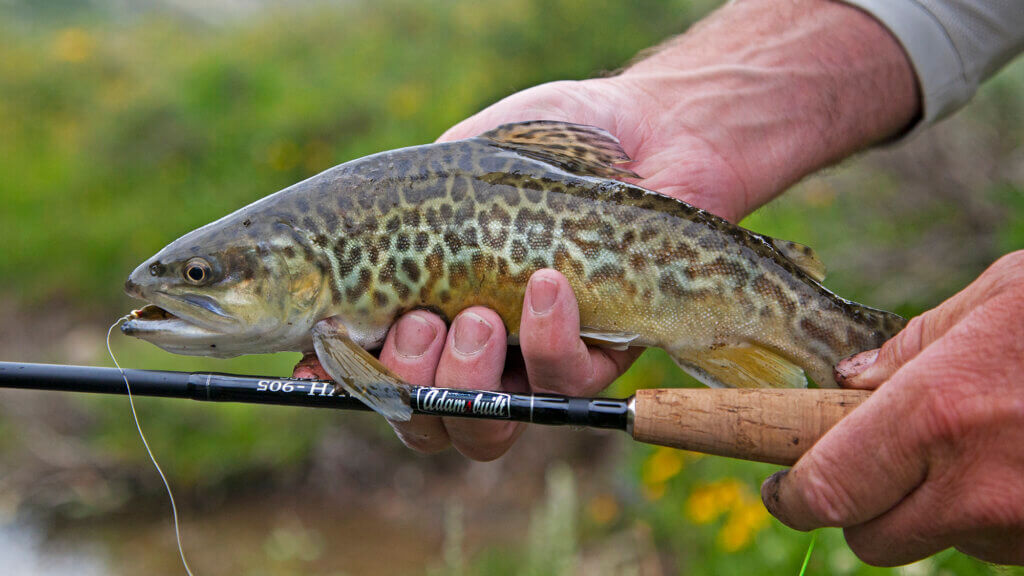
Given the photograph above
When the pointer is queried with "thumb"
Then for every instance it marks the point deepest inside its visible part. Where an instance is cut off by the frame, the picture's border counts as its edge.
(870, 369)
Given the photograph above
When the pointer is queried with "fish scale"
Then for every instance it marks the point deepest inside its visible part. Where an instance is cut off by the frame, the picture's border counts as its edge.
(450, 225)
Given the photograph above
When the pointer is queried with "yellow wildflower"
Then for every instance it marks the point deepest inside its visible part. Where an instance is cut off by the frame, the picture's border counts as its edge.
(603, 509)
(662, 466)
(73, 45)
(745, 520)
(707, 503)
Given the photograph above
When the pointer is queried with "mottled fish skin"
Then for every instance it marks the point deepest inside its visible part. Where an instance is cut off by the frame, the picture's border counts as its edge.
(446, 226)
(450, 225)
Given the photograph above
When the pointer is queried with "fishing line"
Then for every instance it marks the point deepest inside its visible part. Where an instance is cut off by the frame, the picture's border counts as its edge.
(807, 557)
(135, 415)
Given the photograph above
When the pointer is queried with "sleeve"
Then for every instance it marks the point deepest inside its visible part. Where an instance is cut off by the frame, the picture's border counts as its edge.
(953, 45)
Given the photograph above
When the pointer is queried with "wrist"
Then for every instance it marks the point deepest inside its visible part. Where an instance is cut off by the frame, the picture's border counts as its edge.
(776, 90)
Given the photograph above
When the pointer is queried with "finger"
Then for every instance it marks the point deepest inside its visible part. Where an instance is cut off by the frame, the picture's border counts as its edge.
(857, 471)
(309, 367)
(544, 102)
(848, 369)
(474, 358)
(998, 546)
(913, 530)
(412, 350)
(557, 360)
(919, 333)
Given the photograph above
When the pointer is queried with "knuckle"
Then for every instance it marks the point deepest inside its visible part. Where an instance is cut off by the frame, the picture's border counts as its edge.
(1012, 262)
(538, 350)
(945, 416)
(1007, 273)
(908, 342)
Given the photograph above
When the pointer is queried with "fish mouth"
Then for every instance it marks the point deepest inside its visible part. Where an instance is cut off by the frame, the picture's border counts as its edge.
(152, 320)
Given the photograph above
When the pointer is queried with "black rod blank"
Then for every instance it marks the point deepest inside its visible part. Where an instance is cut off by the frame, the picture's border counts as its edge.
(546, 409)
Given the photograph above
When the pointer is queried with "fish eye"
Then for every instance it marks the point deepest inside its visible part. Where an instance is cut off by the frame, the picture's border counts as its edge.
(197, 271)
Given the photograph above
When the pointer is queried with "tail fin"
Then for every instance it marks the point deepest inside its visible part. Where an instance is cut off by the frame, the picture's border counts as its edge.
(751, 365)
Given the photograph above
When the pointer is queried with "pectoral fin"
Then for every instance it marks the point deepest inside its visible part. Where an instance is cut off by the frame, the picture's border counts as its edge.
(575, 147)
(743, 366)
(607, 339)
(359, 373)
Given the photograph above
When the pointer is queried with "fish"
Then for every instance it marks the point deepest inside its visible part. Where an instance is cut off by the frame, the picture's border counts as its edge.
(327, 265)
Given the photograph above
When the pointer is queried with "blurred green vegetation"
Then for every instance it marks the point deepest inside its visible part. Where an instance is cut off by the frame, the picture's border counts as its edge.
(118, 134)
(118, 138)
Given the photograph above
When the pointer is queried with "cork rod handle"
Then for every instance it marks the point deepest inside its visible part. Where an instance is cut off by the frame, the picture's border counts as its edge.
(764, 425)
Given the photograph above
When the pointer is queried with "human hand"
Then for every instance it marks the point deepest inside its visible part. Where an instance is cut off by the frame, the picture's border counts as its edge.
(707, 121)
(421, 350)
(933, 459)
(675, 158)
(554, 359)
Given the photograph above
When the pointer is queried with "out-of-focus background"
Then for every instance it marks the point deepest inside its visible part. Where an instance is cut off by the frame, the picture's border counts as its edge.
(125, 124)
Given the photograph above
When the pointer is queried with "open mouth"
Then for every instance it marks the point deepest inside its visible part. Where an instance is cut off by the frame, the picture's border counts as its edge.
(152, 320)
(151, 312)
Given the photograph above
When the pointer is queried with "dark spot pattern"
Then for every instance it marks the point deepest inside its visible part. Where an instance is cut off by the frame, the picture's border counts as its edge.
(445, 224)
(411, 270)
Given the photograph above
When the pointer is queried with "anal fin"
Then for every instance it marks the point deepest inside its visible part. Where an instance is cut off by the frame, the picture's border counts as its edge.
(359, 373)
(607, 339)
(743, 366)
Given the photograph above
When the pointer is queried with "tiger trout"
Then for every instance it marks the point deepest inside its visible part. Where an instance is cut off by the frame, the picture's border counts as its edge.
(328, 264)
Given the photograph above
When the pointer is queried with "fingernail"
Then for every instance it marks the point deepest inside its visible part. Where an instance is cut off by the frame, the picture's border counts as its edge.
(855, 365)
(413, 336)
(770, 492)
(471, 333)
(543, 292)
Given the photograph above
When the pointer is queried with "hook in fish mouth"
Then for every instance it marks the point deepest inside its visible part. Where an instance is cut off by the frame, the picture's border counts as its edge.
(153, 320)
(151, 312)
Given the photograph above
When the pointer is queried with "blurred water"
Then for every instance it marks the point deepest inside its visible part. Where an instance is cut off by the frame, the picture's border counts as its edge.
(25, 550)
(249, 535)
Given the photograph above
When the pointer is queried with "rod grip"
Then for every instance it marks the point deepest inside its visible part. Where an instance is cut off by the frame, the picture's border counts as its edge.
(763, 425)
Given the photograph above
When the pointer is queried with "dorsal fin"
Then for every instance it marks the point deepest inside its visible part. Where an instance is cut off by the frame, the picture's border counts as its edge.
(577, 148)
(803, 256)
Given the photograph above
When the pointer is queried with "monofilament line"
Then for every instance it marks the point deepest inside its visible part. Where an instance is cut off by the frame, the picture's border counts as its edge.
(135, 415)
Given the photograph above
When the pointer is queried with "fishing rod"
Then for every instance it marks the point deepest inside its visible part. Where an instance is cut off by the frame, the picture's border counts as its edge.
(764, 425)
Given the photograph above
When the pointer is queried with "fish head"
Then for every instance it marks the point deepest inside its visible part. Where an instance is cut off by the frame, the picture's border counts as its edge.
(220, 291)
